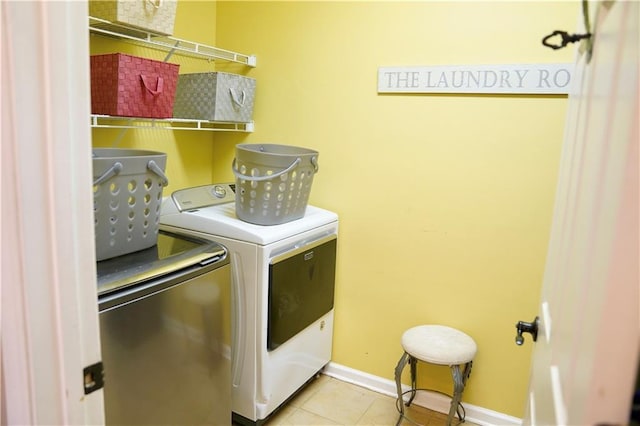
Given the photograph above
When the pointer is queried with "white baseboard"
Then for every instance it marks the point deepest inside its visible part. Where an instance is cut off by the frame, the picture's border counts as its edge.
(431, 400)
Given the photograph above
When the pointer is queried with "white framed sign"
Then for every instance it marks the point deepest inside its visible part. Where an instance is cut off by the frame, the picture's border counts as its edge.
(506, 78)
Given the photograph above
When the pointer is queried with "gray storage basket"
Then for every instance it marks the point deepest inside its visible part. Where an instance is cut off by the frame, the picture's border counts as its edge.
(273, 182)
(127, 194)
(215, 96)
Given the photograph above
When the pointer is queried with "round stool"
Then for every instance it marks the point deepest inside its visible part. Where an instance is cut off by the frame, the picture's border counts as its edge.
(441, 345)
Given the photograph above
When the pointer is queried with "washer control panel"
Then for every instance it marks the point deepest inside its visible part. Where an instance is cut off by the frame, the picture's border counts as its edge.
(204, 196)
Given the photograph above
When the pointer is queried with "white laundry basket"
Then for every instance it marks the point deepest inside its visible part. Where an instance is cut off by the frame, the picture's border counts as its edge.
(127, 194)
(273, 182)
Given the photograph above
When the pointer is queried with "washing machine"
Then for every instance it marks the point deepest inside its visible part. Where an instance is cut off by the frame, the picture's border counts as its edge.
(283, 280)
(165, 331)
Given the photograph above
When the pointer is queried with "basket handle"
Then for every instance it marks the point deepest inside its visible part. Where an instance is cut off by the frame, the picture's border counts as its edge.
(117, 168)
(146, 84)
(151, 165)
(234, 97)
(263, 178)
(111, 171)
(157, 3)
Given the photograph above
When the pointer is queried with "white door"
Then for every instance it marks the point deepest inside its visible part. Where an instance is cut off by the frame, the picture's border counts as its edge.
(586, 355)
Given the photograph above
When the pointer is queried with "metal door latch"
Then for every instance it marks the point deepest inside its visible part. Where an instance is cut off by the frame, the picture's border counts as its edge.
(93, 377)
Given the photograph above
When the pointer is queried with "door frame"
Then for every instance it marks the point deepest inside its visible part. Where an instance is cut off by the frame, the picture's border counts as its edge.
(49, 305)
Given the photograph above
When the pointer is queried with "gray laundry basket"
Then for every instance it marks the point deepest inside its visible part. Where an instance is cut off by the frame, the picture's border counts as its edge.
(127, 194)
(273, 182)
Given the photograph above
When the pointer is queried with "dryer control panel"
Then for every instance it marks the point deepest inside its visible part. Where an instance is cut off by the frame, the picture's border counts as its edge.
(204, 196)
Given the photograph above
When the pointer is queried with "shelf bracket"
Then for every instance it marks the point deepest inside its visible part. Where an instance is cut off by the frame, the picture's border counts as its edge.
(171, 52)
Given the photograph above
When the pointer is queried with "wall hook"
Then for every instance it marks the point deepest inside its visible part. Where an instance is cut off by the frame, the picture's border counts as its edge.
(566, 38)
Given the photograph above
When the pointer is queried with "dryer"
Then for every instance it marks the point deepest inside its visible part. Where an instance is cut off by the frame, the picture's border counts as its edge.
(283, 291)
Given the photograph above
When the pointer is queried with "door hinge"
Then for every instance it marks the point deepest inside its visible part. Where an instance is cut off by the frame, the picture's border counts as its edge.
(93, 377)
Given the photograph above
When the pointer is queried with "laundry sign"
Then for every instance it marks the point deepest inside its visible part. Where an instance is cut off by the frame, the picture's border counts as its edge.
(507, 78)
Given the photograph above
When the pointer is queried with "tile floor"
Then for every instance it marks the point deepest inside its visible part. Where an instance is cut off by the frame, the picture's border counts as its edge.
(328, 401)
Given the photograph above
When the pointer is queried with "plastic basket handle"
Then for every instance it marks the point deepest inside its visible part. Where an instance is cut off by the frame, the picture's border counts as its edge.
(263, 178)
(234, 98)
(146, 83)
(111, 172)
(151, 165)
(117, 168)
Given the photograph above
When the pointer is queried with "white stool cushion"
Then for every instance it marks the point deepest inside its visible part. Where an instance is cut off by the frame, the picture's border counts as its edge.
(439, 344)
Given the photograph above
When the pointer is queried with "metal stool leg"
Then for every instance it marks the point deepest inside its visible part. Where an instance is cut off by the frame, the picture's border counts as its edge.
(458, 387)
(459, 382)
(413, 362)
(398, 374)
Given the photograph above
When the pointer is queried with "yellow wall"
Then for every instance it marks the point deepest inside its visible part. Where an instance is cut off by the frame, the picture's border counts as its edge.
(444, 201)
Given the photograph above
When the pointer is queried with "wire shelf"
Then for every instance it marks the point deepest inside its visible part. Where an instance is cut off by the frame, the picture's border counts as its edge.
(114, 122)
(167, 43)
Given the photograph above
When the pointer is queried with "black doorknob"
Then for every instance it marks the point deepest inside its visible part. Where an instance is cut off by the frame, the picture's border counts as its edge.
(527, 327)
